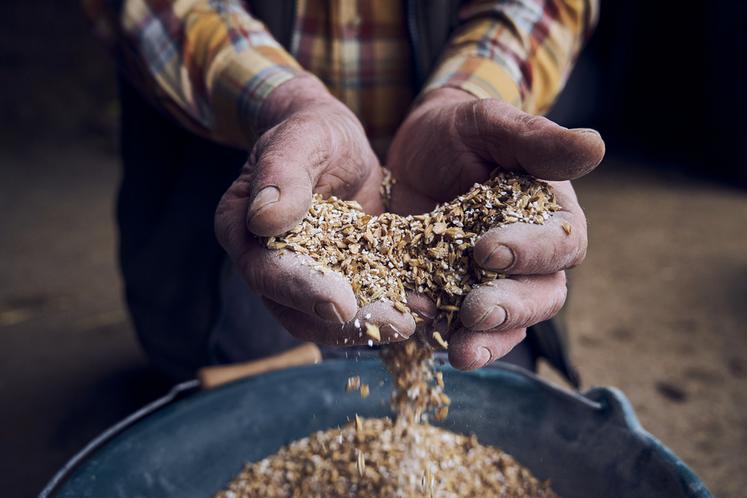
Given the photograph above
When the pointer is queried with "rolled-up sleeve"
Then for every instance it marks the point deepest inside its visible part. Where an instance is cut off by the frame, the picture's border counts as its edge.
(208, 63)
(519, 51)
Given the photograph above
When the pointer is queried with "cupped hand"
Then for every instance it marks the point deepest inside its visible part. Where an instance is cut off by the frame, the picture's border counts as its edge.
(313, 144)
(453, 140)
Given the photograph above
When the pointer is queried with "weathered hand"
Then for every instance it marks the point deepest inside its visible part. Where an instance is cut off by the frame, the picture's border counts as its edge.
(313, 144)
(452, 140)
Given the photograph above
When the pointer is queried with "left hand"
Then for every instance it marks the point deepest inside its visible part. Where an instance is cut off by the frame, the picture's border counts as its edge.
(453, 140)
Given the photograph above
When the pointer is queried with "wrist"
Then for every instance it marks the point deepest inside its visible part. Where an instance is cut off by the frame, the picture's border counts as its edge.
(300, 93)
(441, 97)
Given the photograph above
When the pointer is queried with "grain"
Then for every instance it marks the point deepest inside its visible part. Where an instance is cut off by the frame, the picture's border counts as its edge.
(373, 331)
(353, 384)
(385, 256)
(361, 464)
(416, 392)
(440, 378)
(440, 340)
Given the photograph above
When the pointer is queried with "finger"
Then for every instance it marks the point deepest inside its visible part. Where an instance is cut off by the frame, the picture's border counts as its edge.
(306, 327)
(368, 195)
(282, 170)
(527, 249)
(393, 326)
(533, 144)
(425, 309)
(511, 303)
(296, 281)
(469, 350)
(409, 200)
(422, 305)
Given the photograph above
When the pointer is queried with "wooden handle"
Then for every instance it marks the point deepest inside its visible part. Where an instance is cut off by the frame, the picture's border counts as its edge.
(305, 354)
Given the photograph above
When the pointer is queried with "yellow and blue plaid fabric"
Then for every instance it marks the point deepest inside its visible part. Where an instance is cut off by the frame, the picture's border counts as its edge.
(210, 64)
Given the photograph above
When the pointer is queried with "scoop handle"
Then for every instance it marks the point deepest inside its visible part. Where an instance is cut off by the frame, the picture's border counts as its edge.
(306, 354)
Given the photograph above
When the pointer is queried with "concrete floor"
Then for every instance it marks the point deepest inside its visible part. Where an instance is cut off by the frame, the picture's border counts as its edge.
(657, 310)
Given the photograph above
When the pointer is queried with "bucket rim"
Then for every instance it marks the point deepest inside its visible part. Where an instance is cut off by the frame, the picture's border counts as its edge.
(609, 402)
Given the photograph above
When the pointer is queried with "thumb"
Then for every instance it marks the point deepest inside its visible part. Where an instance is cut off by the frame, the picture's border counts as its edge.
(283, 170)
(518, 141)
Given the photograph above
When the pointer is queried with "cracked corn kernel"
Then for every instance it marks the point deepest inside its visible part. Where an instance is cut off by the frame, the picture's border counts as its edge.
(361, 462)
(373, 331)
(442, 413)
(401, 307)
(440, 378)
(440, 340)
(567, 228)
(353, 384)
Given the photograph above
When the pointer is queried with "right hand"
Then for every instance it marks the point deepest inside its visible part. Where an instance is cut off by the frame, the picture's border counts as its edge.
(313, 143)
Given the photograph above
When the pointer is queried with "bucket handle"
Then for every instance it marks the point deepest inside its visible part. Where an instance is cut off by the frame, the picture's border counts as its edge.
(306, 354)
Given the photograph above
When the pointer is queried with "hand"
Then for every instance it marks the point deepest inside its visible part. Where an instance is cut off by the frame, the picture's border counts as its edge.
(313, 144)
(452, 140)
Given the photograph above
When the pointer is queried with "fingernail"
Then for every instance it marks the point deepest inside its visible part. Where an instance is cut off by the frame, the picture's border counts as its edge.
(501, 258)
(264, 198)
(482, 358)
(492, 318)
(328, 311)
(585, 130)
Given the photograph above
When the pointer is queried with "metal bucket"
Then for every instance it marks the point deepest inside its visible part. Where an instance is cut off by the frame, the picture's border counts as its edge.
(191, 443)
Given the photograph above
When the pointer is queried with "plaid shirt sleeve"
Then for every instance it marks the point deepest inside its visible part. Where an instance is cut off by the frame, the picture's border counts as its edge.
(519, 51)
(208, 63)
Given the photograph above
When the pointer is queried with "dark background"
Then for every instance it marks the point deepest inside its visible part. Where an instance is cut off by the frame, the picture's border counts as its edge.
(658, 308)
(665, 81)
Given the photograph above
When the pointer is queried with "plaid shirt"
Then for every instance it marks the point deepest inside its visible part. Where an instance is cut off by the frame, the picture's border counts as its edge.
(210, 64)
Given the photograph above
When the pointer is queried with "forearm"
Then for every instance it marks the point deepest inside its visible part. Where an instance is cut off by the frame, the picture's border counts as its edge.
(520, 52)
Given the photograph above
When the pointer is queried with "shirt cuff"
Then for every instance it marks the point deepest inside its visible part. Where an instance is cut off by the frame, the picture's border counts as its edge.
(483, 78)
(239, 87)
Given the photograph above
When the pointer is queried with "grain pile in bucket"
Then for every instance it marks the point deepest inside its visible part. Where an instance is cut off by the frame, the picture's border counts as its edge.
(372, 458)
(383, 257)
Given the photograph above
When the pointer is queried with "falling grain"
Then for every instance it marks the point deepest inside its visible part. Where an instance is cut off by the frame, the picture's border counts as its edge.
(373, 331)
(440, 340)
